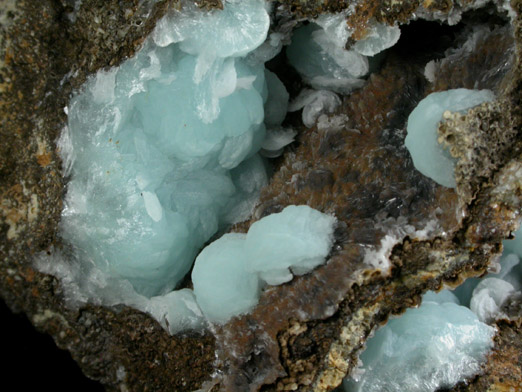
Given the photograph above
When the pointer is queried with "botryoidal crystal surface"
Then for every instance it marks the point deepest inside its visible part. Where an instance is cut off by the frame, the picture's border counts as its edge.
(229, 273)
(427, 348)
(129, 150)
(163, 153)
(162, 150)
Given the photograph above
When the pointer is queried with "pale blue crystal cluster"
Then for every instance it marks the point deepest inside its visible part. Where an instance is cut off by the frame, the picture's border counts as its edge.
(163, 153)
(318, 52)
(427, 348)
(444, 340)
(486, 296)
(229, 273)
(163, 149)
(429, 157)
(323, 63)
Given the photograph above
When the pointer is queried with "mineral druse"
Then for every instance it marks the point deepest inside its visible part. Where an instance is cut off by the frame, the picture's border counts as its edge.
(444, 340)
(324, 62)
(318, 52)
(166, 152)
(486, 296)
(163, 149)
(163, 153)
(427, 348)
(429, 157)
(229, 273)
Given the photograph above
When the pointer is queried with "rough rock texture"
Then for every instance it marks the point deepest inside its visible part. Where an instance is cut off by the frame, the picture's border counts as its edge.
(304, 335)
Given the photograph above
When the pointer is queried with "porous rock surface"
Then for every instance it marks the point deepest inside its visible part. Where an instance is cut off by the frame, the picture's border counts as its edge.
(304, 335)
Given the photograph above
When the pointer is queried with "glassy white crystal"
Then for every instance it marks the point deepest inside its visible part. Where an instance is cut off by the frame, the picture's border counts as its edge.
(325, 122)
(488, 297)
(314, 103)
(334, 27)
(321, 59)
(276, 139)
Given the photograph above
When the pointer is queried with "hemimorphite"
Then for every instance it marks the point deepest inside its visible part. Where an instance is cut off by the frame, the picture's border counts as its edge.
(509, 269)
(433, 346)
(488, 297)
(222, 284)
(237, 30)
(314, 103)
(298, 238)
(163, 149)
(321, 59)
(429, 157)
(379, 38)
(275, 141)
(489, 294)
(228, 273)
(277, 103)
(319, 54)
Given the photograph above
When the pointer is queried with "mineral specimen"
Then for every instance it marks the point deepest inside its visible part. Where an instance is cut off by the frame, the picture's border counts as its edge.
(428, 155)
(427, 348)
(397, 233)
(321, 59)
(229, 273)
(162, 150)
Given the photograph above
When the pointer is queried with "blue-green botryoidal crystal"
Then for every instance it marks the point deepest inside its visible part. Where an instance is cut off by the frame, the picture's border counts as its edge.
(430, 347)
(229, 273)
(162, 151)
(429, 157)
(486, 296)
(319, 55)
